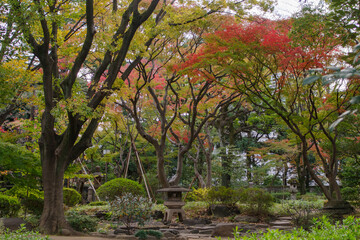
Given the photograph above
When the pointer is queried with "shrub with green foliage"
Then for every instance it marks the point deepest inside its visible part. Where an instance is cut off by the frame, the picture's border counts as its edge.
(81, 222)
(302, 212)
(131, 208)
(9, 206)
(310, 197)
(117, 187)
(71, 197)
(198, 195)
(31, 199)
(224, 195)
(279, 196)
(350, 193)
(257, 201)
(21, 234)
(98, 203)
(323, 229)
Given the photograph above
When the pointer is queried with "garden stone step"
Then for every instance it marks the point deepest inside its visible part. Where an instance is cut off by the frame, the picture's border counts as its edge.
(285, 218)
(281, 223)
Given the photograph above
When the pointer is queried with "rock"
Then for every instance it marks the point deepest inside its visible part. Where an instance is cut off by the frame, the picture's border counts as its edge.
(181, 238)
(206, 231)
(338, 208)
(126, 237)
(13, 223)
(248, 219)
(120, 231)
(223, 230)
(196, 221)
(65, 232)
(220, 210)
(281, 223)
(168, 234)
(194, 231)
(173, 231)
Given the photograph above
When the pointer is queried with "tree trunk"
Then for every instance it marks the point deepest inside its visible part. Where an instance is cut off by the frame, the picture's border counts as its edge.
(52, 219)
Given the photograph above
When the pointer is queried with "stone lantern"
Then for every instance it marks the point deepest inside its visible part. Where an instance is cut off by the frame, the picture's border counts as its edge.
(293, 188)
(174, 203)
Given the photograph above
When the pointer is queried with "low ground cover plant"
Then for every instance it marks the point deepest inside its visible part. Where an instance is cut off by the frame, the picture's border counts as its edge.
(302, 212)
(80, 221)
(21, 234)
(322, 229)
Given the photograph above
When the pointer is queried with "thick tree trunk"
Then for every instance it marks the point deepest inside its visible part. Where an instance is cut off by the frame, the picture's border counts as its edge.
(52, 219)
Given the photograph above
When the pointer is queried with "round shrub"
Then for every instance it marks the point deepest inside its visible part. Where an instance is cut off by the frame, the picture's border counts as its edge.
(35, 205)
(224, 195)
(257, 200)
(9, 206)
(71, 197)
(31, 199)
(119, 186)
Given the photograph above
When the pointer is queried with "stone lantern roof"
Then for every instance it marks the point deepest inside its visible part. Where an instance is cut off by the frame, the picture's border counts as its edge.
(174, 189)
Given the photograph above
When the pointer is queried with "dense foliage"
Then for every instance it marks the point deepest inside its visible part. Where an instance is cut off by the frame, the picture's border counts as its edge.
(9, 206)
(71, 197)
(118, 187)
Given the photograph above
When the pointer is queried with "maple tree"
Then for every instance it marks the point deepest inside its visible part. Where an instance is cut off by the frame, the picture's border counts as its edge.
(182, 106)
(87, 42)
(41, 26)
(268, 66)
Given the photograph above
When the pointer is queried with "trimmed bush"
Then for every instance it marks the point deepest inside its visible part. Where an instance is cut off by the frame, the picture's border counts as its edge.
(117, 187)
(9, 206)
(71, 197)
(31, 199)
(224, 195)
(257, 200)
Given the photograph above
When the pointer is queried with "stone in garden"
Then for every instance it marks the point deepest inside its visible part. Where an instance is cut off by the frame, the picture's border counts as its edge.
(338, 207)
(220, 210)
(65, 232)
(120, 231)
(196, 221)
(223, 230)
(248, 219)
(13, 223)
(168, 234)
